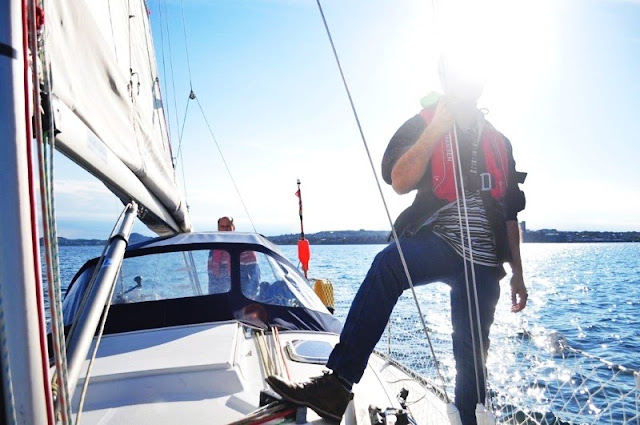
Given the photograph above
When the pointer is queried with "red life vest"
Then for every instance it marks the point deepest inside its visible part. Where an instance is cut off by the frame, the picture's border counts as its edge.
(443, 158)
(219, 261)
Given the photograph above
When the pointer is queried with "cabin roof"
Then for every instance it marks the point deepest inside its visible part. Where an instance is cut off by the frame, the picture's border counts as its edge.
(206, 238)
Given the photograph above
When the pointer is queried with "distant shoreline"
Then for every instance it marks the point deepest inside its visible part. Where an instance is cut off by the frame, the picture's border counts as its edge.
(377, 237)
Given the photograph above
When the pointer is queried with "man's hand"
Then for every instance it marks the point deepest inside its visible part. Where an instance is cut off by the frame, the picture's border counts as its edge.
(443, 118)
(411, 166)
(519, 293)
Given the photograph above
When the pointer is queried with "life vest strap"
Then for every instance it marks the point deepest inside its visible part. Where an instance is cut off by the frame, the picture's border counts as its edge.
(482, 182)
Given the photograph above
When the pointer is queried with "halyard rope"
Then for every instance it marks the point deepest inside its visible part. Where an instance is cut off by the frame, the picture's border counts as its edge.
(460, 194)
(49, 231)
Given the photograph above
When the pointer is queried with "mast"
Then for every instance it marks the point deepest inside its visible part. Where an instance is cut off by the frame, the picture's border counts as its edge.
(24, 358)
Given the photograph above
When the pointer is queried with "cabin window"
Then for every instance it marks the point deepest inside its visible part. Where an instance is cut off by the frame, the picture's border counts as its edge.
(265, 280)
(172, 275)
(218, 271)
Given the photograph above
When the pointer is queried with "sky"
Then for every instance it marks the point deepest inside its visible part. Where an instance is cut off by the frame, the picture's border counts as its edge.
(563, 85)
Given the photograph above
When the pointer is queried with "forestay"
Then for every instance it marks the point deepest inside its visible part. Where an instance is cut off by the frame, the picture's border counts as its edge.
(108, 106)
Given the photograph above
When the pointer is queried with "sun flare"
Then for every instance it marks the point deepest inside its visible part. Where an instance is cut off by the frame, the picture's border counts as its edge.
(504, 42)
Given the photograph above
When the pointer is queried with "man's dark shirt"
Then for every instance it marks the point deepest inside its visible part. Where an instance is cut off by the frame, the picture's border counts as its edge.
(426, 203)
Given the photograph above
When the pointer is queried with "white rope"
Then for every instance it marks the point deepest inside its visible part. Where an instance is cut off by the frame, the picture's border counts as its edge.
(436, 13)
(457, 173)
(384, 202)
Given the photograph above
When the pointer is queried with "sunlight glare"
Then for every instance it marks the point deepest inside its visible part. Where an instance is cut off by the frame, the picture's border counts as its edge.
(509, 43)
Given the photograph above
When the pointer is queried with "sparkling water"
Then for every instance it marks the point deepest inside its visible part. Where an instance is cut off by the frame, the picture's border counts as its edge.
(583, 296)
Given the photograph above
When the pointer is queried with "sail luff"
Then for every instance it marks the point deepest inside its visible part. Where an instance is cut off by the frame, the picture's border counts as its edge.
(22, 331)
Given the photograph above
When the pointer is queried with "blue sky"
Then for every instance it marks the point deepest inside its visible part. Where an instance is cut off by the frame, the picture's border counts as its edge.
(564, 87)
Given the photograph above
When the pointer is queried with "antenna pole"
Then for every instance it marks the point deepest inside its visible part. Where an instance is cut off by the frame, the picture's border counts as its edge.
(304, 251)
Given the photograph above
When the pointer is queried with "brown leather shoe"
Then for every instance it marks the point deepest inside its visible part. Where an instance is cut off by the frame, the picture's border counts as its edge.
(324, 394)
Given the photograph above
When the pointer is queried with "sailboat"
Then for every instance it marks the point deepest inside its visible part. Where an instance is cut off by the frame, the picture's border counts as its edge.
(147, 333)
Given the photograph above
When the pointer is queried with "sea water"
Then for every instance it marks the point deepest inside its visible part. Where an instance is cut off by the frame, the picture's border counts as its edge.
(584, 296)
(587, 293)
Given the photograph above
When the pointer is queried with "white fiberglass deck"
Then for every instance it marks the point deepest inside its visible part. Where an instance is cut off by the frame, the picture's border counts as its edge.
(213, 373)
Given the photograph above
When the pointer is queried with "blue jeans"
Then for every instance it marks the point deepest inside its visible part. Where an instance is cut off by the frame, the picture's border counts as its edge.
(429, 259)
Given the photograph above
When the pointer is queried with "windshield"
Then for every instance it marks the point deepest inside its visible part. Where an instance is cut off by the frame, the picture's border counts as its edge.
(258, 276)
(268, 281)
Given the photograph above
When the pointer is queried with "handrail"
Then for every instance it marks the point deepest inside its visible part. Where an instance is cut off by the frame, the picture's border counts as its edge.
(89, 317)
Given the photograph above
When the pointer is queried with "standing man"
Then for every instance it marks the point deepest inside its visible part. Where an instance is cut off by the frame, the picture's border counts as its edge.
(422, 156)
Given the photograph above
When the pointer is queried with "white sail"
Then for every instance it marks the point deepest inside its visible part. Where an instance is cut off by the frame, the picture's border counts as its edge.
(108, 107)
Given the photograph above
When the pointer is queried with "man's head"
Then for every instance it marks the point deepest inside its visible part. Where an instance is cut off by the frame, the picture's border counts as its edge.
(462, 76)
(225, 224)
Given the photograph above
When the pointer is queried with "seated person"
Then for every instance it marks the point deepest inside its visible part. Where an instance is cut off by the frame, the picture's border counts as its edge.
(219, 271)
(249, 273)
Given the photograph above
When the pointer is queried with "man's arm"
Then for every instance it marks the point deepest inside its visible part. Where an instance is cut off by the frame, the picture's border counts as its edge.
(411, 166)
(519, 293)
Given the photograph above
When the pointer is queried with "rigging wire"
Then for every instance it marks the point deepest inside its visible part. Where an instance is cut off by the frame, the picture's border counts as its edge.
(179, 151)
(133, 94)
(471, 287)
(184, 121)
(184, 183)
(164, 20)
(393, 230)
(154, 79)
(186, 43)
(192, 96)
(463, 213)
(166, 90)
(224, 161)
(103, 320)
(460, 190)
(49, 227)
(164, 65)
(173, 80)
